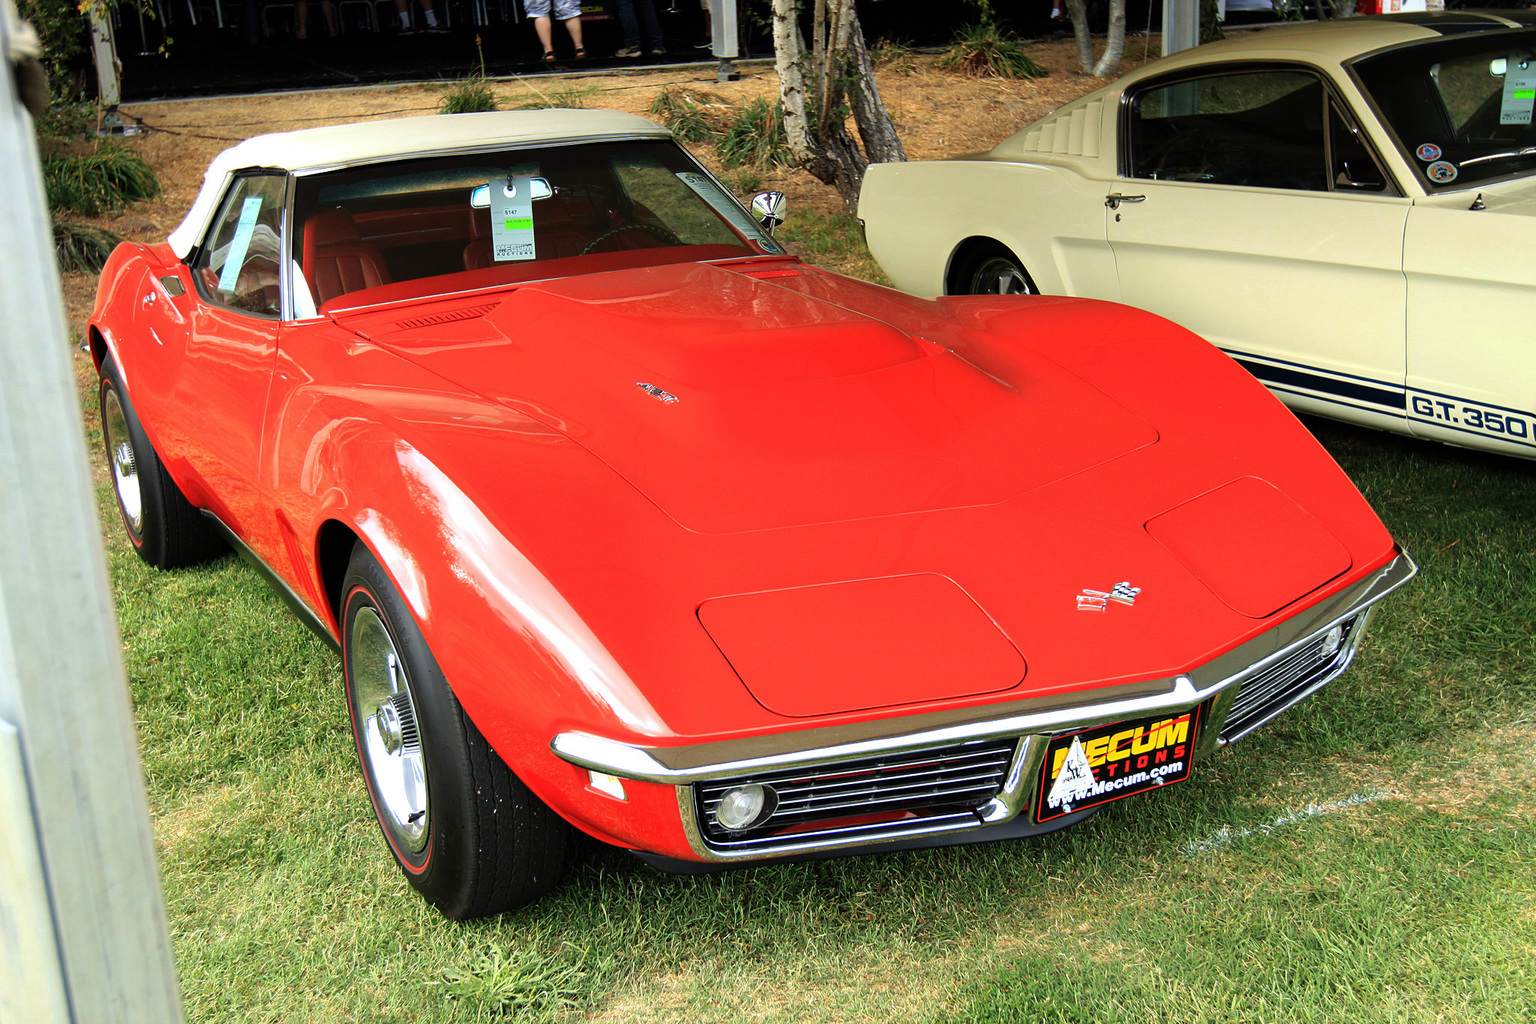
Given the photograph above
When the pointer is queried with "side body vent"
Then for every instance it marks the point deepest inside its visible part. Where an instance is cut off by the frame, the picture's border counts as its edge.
(467, 313)
(1073, 132)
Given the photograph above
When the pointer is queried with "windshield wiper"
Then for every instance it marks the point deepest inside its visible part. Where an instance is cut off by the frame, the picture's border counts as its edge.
(1522, 151)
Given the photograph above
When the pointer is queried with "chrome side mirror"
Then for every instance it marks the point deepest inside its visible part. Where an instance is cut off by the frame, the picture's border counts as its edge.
(768, 208)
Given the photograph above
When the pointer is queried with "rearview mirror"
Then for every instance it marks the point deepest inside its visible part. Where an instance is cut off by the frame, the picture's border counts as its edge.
(538, 188)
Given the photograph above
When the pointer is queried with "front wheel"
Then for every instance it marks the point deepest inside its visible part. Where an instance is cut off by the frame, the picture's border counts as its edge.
(991, 269)
(470, 837)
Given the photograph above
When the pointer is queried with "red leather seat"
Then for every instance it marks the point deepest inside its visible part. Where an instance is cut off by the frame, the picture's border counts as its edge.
(336, 259)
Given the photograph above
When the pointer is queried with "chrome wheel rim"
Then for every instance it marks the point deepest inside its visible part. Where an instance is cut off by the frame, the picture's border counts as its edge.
(999, 276)
(124, 464)
(388, 735)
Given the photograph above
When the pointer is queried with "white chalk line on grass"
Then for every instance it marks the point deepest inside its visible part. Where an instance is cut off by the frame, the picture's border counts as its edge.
(1226, 835)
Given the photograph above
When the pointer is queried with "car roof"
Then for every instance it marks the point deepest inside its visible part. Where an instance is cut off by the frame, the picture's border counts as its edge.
(312, 149)
(1342, 39)
(1072, 130)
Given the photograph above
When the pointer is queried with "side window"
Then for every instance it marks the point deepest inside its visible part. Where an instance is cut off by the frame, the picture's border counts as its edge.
(1351, 165)
(237, 264)
(1259, 128)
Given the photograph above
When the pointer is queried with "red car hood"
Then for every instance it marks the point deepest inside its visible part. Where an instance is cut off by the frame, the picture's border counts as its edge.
(736, 404)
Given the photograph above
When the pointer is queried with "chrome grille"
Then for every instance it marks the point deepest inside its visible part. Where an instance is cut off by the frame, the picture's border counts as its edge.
(1290, 679)
(865, 795)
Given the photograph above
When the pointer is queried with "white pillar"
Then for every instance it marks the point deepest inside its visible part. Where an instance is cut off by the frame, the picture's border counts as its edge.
(73, 810)
(1181, 25)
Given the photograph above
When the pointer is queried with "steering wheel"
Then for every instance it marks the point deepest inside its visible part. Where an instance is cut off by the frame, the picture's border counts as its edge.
(656, 231)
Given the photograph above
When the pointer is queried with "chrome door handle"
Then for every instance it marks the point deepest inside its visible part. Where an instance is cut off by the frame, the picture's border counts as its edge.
(1114, 199)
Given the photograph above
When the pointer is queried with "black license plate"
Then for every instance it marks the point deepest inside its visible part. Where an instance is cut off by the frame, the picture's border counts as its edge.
(1095, 766)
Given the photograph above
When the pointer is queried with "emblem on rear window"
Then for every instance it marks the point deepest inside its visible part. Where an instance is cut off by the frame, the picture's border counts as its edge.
(1098, 600)
(656, 392)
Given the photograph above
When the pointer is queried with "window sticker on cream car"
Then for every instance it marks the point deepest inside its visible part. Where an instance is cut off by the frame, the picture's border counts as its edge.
(1428, 152)
(1519, 91)
(234, 259)
(1441, 172)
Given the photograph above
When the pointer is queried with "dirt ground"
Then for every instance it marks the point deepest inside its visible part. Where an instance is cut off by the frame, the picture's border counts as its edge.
(938, 114)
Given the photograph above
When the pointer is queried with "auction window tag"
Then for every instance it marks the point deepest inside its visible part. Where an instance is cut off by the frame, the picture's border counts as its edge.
(234, 259)
(512, 218)
(1519, 92)
(726, 206)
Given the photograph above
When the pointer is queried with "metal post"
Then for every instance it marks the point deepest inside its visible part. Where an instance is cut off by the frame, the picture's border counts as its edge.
(109, 70)
(1181, 25)
(724, 42)
(91, 946)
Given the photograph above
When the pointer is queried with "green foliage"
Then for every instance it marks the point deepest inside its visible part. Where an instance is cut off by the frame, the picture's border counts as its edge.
(893, 56)
(102, 181)
(67, 119)
(755, 137)
(470, 96)
(692, 116)
(521, 984)
(81, 246)
(746, 182)
(566, 97)
(985, 51)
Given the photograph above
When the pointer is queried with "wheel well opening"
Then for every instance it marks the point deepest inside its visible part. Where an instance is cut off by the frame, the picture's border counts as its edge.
(962, 261)
(98, 346)
(333, 553)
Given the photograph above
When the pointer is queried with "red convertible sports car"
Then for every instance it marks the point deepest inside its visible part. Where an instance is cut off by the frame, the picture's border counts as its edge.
(624, 519)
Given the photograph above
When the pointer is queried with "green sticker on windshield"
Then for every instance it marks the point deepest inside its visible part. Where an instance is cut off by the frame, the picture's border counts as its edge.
(1519, 92)
(234, 257)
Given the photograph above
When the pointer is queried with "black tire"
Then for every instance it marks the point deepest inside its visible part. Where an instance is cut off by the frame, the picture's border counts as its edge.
(469, 836)
(166, 530)
(990, 268)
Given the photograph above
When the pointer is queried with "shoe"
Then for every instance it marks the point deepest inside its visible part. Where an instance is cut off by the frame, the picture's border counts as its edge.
(706, 44)
(438, 30)
(581, 54)
(658, 51)
(549, 57)
(627, 51)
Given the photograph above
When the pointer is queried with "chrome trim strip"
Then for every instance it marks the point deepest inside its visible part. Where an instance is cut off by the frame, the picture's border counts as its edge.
(682, 766)
(279, 585)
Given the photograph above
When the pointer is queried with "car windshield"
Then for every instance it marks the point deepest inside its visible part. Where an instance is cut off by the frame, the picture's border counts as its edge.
(431, 226)
(1460, 106)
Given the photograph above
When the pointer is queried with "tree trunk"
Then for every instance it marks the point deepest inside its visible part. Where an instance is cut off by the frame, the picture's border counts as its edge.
(812, 86)
(1078, 11)
(1114, 43)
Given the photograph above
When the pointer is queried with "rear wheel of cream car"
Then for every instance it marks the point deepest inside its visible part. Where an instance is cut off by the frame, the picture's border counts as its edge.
(468, 834)
(989, 268)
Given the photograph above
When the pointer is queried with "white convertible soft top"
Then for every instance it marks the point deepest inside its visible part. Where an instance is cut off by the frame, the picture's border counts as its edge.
(372, 141)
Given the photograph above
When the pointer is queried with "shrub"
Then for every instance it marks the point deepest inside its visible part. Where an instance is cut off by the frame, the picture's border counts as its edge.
(985, 51)
(755, 137)
(468, 97)
(82, 247)
(746, 182)
(691, 116)
(569, 97)
(101, 181)
(894, 56)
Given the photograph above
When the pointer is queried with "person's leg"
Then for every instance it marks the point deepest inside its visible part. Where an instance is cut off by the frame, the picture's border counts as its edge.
(653, 37)
(429, 14)
(569, 11)
(631, 27)
(541, 26)
(329, 13)
(301, 19)
(403, 12)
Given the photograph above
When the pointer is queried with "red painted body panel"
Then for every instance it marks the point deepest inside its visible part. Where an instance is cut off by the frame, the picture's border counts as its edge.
(556, 529)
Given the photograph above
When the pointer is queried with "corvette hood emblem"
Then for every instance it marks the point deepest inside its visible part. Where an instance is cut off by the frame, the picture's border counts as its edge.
(1098, 600)
(655, 392)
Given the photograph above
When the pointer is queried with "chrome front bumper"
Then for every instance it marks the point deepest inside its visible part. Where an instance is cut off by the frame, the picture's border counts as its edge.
(1031, 722)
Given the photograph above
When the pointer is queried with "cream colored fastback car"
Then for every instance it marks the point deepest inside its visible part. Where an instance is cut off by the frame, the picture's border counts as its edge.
(1344, 208)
